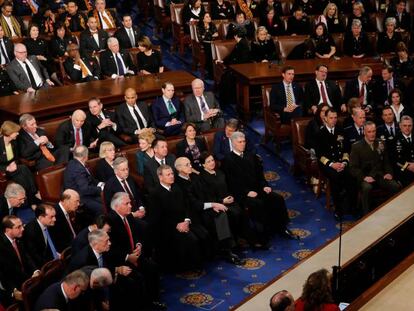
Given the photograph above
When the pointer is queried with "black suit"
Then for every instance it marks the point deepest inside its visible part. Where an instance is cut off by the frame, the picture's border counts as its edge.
(313, 97)
(61, 232)
(104, 171)
(352, 90)
(278, 101)
(126, 122)
(107, 133)
(76, 74)
(354, 46)
(380, 92)
(402, 153)
(151, 180)
(352, 135)
(88, 44)
(86, 257)
(65, 135)
(35, 244)
(8, 44)
(4, 208)
(384, 133)
(30, 151)
(113, 185)
(123, 38)
(109, 64)
(80, 241)
(52, 298)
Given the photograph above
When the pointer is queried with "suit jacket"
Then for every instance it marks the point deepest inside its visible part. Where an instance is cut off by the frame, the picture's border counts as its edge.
(380, 91)
(182, 150)
(61, 233)
(18, 75)
(88, 44)
(401, 153)
(94, 122)
(405, 22)
(367, 162)
(104, 171)
(240, 54)
(123, 38)
(353, 46)
(192, 110)
(221, 145)
(383, 133)
(9, 48)
(113, 185)
(85, 257)
(127, 124)
(35, 244)
(108, 62)
(65, 135)
(80, 241)
(278, 96)
(161, 114)
(312, 96)
(352, 90)
(52, 298)
(76, 74)
(151, 180)
(351, 137)
(13, 273)
(77, 177)
(28, 148)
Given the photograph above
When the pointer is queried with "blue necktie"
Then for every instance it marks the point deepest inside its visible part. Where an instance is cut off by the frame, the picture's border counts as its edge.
(121, 71)
(51, 245)
(100, 261)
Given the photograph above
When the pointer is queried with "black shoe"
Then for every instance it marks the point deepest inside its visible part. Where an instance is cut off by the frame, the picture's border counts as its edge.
(290, 235)
(157, 305)
(233, 258)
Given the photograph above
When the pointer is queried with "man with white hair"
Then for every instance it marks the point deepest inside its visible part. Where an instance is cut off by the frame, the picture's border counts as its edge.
(116, 63)
(202, 108)
(75, 132)
(26, 72)
(14, 196)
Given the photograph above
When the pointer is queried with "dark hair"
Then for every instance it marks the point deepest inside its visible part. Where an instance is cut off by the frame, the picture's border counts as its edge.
(317, 290)
(155, 142)
(388, 107)
(330, 110)
(393, 91)
(401, 47)
(7, 222)
(318, 112)
(204, 155)
(280, 301)
(239, 12)
(318, 66)
(325, 30)
(240, 32)
(101, 221)
(126, 15)
(390, 69)
(187, 125)
(41, 209)
(286, 68)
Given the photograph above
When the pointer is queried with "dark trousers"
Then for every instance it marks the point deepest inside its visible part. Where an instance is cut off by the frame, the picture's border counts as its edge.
(391, 186)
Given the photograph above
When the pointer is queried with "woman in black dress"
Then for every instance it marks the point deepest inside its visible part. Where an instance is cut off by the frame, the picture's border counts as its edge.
(358, 12)
(264, 48)
(331, 19)
(191, 146)
(18, 173)
(314, 126)
(388, 40)
(149, 60)
(104, 169)
(193, 11)
(324, 44)
(356, 42)
(221, 9)
(60, 41)
(207, 32)
(402, 63)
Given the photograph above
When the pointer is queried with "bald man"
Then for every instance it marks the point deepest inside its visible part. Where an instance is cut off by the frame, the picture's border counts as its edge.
(282, 301)
(133, 117)
(75, 132)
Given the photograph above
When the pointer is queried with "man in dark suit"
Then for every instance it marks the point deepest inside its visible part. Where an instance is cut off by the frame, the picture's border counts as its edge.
(116, 63)
(78, 178)
(6, 48)
(286, 97)
(389, 129)
(369, 164)
(64, 230)
(161, 157)
(402, 17)
(202, 108)
(298, 23)
(126, 248)
(74, 21)
(26, 72)
(166, 111)
(321, 91)
(81, 68)
(354, 132)
(15, 264)
(35, 145)
(104, 123)
(362, 89)
(402, 152)
(128, 35)
(133, 118)
(92, 39)
(14, 196)
(334, 162)
(384, 86)
(75, 132)
(37, 240)
(246, 181)
(58, 295)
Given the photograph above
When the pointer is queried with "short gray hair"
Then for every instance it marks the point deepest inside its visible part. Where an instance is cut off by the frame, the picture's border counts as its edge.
(390, 20)
(162, 168)
(117, 199)
(80, 151)
(364, 70)
(237, 135)
(24, 118)
(406, 118)
(356, 23)
(118, 161)
(112, 40)
(13, 190)
(77, 277)
(101, 277)
(96, 235)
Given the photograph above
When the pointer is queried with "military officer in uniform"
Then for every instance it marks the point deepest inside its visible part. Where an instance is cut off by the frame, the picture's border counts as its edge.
(389, 129)
(403, 152)
(334, 161)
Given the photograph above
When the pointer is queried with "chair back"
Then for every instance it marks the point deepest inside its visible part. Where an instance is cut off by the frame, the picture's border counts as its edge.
(31, 290)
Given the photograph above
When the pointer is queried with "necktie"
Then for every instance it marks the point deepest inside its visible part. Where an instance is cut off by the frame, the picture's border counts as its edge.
(119, 63)
(289, 97)
(323, 94)
(77, 137)
(100, 261)
(389, 88)
(16, 249)
(128, 230)
(30, 74)
(332, 132)
(362, 93)
(171, 108)
(361, 132)
(46, 152)
(409, 140)
(3, 51)
(70, 225)
(241, 155)
(84, 69)
(128, 190)
(131, 37)
(140, 122)
(392, 130)
(162, 162)
(203, 105)
(11, 211)
(51, 245)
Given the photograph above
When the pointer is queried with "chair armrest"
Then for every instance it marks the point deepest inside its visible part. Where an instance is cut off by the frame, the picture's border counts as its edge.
(28, 163)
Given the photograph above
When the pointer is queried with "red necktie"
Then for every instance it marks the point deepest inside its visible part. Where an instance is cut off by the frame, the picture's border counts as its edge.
(131, 196)
(323, 93)
(77, 137)
(128, 229)
(362, 93)
(16, 249)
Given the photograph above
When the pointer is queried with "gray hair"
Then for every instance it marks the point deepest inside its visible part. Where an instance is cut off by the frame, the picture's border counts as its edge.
(80, 152)
(118, 161)
(406, 118)
(364, 70)
(117, 199)
(232, 123)
(391, 20)
(237, 135)
(96, 235)
(80, 113)
(356, 23)
(101, 277)
(112, 40)
(77, 277)
(24, 118)
(13, 190)
(162, 168)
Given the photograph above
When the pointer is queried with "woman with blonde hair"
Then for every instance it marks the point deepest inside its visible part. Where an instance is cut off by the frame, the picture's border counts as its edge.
(146, 152)
(330, 18)
(9, 165)
(104, 169)
(264, 48)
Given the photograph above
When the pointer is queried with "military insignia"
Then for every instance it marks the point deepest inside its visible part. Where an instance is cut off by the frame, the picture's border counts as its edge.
(252, 264)
(271, 176)
(302, 253)
(252, 288)
(293, 213)
(302, 233)
(197, 299)
(191, 275)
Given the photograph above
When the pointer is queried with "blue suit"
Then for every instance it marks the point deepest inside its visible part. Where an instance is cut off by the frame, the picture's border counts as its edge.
(162, 116)
(221, 146)
(278, 101)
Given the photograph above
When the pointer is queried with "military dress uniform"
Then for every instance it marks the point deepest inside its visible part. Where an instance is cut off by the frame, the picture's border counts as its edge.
(403, 154)
(330, 149)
